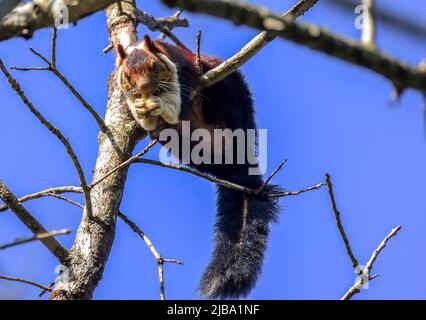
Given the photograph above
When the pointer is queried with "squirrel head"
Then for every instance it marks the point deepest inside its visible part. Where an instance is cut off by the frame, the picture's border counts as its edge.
(143, 67)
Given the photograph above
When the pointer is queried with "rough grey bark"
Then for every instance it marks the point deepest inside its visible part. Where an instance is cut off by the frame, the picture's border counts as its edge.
(94, 238)
(31, 16)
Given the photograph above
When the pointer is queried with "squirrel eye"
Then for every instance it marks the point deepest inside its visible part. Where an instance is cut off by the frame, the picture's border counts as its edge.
(155, 66)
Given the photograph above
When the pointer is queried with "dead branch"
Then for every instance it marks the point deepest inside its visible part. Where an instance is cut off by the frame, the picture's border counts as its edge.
(402, 75)
(158, 258)
(365, 276)
(39, 236)
(46, 193)
(339, 224)
(94, 238)
(252, 48)
(56, 132)
(51, 66)
(32, 283)
(390, 17)
(198, 63)
(124, 164)
(263, 186)
(226, 183)
(31, 16)
(176, 16)
(159, 24)
(31, 223)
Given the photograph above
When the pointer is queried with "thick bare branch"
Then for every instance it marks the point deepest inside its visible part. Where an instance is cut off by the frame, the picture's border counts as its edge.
(31, 223)
(28, 17)
(401, 74)
(251, 48)
(392, 18)
(94, 238)
(158, 257)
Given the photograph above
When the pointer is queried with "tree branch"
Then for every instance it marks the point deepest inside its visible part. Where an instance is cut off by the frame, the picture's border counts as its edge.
(339, 224)
(252, 48)
(392, 18)
(94, 238)
(365, 276)
(402, 75)
(55, 131)
(158, 258)
(6, 6)
(164, 25)
(32, 283)
(39, 236)
(31, 223)
(46, 193)
(51, 66)
(31, 16)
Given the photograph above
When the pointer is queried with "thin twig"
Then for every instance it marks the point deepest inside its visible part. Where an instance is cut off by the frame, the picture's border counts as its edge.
(108, 49)
(158, 258)
(263, 186)
(165, 25)
(31, 68)
(39, 236)
(124, 164)
(365, 277)
(354, 260)
(46, 193)
(51, 66)
(54, 38)
(32, 223)
(176, 15)
(55, 131)
(198, 62)
(369, 24)
(226, 183)
(32, 283)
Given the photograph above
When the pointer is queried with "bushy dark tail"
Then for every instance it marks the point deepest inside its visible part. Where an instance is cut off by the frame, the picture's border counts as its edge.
(241, 234)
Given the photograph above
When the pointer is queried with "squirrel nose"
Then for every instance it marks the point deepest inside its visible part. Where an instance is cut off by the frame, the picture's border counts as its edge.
(143, 85)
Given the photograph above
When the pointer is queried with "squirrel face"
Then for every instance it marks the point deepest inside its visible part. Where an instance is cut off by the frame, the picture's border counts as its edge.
(143, 68)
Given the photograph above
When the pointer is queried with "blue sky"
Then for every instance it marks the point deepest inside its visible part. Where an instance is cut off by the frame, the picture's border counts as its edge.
(322, 114)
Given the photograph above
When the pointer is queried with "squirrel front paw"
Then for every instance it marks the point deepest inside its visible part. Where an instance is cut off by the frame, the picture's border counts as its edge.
(151, 107)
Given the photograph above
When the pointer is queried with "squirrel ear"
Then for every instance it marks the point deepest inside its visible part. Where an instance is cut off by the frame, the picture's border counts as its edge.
(149, 44)
(121, 52)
